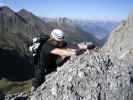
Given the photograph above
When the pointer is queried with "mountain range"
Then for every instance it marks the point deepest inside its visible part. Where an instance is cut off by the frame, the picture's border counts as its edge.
(30, 25)
(106, 74)
(17, 30)
(100, 29)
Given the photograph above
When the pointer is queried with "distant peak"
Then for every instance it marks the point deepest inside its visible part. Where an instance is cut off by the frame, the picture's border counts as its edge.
(64, 20)
(6, 9)
(24, 11)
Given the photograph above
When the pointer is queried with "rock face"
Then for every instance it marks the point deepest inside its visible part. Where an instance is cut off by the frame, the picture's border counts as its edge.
(90, 76)
(120, 40)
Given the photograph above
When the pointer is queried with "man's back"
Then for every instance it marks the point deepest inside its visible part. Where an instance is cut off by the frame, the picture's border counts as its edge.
(47, 59)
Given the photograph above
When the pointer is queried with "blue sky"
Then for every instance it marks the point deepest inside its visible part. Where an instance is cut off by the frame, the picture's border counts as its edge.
(80, 9)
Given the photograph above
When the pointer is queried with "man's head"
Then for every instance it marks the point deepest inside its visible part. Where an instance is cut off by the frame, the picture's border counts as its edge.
(57, 34)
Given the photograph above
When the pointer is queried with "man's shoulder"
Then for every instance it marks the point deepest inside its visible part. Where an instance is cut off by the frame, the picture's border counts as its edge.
(47, 44)
(47, 47)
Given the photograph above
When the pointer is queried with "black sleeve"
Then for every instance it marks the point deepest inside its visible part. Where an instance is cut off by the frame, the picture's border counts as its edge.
(48, 48)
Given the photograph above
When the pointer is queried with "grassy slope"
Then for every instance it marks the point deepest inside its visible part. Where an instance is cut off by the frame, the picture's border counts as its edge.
(14, 87)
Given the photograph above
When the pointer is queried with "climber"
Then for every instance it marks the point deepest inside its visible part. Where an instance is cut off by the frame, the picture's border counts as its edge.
(52, 54)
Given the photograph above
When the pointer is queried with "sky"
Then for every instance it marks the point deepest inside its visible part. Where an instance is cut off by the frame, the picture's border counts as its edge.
(78, 9)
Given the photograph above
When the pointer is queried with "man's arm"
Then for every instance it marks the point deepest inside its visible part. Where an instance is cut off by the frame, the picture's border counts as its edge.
(64, 52)
(79, 46)
(72, 49)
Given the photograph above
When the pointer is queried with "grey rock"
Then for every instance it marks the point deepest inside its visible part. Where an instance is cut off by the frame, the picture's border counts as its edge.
(120, 40)
(17, 96)
(90, 76)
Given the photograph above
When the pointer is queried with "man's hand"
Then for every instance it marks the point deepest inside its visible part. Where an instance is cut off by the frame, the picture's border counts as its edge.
(82, 46)
(79, 52)
(88, 45)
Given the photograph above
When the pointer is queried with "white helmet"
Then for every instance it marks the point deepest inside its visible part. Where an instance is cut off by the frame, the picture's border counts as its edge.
(57, 34)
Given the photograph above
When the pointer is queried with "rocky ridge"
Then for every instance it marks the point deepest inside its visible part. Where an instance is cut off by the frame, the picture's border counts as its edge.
(90, 76)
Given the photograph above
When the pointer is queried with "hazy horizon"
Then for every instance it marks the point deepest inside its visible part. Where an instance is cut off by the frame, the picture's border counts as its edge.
(106, 10)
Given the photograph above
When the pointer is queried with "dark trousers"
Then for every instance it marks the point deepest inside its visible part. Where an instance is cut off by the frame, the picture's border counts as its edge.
(39, 75)
(40, 71)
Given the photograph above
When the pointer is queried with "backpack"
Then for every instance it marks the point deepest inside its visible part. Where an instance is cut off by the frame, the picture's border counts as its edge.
(36, 45)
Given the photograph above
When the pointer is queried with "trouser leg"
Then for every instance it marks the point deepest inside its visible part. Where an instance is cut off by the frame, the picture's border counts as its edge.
(39, 76)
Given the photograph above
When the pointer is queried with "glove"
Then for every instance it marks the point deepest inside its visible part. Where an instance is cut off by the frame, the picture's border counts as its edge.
(90, 46)
(79, 52)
